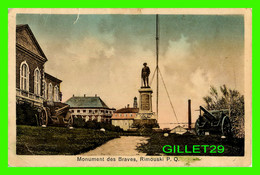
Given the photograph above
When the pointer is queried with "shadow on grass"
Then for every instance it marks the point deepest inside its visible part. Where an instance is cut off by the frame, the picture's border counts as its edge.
(32, 140)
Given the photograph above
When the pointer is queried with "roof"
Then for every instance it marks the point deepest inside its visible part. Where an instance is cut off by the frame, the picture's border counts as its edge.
(86, 102)
(127, 110)
(27, 28)
(50, 77)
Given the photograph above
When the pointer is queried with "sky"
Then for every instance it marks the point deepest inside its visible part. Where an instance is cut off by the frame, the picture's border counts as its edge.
(104, 55)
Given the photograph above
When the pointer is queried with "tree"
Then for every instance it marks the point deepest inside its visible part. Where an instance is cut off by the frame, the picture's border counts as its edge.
(228, 99)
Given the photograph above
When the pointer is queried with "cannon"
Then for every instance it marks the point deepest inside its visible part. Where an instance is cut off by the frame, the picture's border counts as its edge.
(213, 121)
(55, 113)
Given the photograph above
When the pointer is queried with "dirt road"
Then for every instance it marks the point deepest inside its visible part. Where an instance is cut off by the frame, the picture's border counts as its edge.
(123, 146)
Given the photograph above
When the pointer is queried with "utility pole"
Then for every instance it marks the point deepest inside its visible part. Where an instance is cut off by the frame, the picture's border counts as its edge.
(157, 64)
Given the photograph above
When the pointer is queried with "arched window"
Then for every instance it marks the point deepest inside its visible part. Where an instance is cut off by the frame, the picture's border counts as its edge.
(56, 93)
(44, 93)
(37, 81)
(50, 95)
(24, 76)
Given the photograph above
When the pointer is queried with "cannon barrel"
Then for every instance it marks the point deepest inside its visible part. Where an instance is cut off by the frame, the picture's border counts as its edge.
(221, 110)
(207, 114)
(62, 110)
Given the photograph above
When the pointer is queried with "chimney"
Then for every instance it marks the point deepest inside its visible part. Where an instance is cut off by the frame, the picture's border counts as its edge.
(128, 105)
(73, 95)
(189, 114)
(135, 102)
(95, 95)
(84, 95)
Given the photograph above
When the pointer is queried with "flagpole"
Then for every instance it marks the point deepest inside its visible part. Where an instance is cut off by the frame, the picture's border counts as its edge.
(157, 64)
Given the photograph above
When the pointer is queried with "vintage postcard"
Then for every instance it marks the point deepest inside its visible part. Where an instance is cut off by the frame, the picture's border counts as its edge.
(130, 87)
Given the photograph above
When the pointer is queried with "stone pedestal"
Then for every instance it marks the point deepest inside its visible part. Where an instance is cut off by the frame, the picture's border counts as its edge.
(145, 105)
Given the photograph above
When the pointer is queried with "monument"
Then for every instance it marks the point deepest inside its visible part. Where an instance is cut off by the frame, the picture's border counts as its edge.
(145, 114)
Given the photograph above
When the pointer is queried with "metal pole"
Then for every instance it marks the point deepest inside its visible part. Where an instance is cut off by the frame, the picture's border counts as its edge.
(189, 114)
(157, 63)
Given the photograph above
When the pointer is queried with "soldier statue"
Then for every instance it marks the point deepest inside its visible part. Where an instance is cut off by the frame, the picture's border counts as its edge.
(145, 75)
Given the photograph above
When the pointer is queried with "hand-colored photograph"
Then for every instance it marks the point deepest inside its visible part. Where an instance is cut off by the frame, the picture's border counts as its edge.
(148, 87)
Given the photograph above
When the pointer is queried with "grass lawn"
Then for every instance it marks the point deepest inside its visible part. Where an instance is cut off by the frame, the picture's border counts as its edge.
(33, 140)
(232, 146)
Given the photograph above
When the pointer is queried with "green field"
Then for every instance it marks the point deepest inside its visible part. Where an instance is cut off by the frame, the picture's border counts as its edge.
(33, 140)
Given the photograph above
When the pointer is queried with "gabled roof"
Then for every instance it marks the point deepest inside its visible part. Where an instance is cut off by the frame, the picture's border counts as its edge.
(86, 102)
(32, 37)
(127, 110)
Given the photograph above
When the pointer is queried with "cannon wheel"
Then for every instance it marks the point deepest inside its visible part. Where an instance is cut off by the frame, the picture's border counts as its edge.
(197, 129)
(226, 126)
(43, 117)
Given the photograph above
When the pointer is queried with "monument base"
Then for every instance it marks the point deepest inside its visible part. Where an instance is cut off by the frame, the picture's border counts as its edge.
(149, 123)
(145, 118)
(145, 100)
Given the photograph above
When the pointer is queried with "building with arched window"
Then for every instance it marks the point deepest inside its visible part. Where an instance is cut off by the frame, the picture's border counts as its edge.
(31, 80)
(53, 88)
